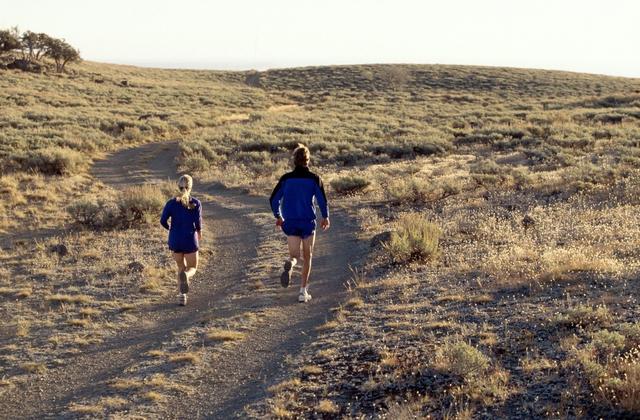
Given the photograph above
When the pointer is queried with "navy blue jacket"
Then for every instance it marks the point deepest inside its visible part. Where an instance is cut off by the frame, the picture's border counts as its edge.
(184, 224)
(293, 197)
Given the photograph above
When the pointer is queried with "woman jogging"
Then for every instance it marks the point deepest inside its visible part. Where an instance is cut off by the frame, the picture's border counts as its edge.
(185, 233)
(293, 205)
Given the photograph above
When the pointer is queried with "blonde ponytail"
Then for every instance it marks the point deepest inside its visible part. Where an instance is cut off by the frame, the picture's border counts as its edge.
(185, 184)
(301, 155)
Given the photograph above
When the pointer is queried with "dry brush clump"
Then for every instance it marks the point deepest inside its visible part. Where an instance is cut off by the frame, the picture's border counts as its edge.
(415, 239)
(610, 362)
(350, 184)
(134, 206)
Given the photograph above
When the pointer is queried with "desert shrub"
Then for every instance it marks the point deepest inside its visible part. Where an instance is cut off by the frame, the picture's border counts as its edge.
(415, 239)
(407, 191)
(584, 316)
(140, 204)
(255, 157)
(93, 215)
(485, 166)
(417, 191)
(350, 184)
(427, 148)
(607, 342)
(195, 163)
(52, 161)
(259, 145)
(631, 331)
(614, 376)
(135, 206)
(462, 359)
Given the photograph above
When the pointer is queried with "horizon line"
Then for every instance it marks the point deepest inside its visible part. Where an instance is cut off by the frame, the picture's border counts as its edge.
(243, 66)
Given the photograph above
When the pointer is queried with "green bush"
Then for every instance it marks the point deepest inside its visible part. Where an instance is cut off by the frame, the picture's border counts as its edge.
(415, 239)
(349, 184)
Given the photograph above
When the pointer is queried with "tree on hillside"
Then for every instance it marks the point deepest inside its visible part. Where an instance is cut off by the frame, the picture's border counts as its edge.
(61, 53)
(34, 45)
(34, 48)
(9, 40)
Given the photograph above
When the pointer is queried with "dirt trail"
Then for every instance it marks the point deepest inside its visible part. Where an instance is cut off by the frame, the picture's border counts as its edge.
(234, 378)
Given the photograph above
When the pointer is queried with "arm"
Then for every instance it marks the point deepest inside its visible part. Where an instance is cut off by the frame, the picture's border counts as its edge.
(166, 213)
(199, 221)
(321, 198)
(276, 198)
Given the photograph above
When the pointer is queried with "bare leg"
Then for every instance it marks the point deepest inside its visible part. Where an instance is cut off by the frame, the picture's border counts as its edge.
(294, 243)
(179, 257)
(191, 264)
(307, 252)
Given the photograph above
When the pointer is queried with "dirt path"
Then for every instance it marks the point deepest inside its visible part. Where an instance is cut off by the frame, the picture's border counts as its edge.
(231, 379)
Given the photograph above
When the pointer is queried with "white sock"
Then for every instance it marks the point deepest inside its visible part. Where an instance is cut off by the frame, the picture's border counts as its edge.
(305, 289)
(293, 261)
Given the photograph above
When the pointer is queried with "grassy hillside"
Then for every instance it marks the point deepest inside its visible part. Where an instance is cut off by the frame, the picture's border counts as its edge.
(501, 205)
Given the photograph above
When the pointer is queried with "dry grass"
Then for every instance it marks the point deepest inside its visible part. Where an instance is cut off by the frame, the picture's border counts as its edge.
(311, 370)
(83, 322)
(154, 397)
(34, 367)
(156, 353)
(355, 302)
(280, 412)
(329, 325)
(86, 409)
(76, 299)
(327, 407)
(113, 402)
(90, 312)
(126, 384)
(22, 327)
(220, 334)
(185, 358)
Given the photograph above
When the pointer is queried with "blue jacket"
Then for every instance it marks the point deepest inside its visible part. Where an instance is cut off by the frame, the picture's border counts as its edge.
(293, 197)
(184, 224)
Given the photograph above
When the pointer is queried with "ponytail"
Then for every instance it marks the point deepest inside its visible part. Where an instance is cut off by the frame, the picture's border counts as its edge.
(185, 184)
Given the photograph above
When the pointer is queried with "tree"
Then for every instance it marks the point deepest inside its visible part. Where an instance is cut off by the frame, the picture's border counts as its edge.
(61, 52)
(9, 41)
(34, 46)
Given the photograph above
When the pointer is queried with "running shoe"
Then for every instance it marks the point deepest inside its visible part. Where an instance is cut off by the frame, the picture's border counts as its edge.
(304, 297)
(285, 277)
(182, 299)
(184, 282)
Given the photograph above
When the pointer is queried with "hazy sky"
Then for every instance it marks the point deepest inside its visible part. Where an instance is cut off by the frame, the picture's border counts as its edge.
(578, 35)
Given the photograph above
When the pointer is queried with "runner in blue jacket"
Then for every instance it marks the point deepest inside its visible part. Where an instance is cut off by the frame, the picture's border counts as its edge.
(185, 233)
(293, 203)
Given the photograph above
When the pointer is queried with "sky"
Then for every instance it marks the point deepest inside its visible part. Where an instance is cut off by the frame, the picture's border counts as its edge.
(593, 36)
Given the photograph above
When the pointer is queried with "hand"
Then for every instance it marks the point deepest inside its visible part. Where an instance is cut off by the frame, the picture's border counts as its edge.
(279, 223)
(325, 223)
(199, 235)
